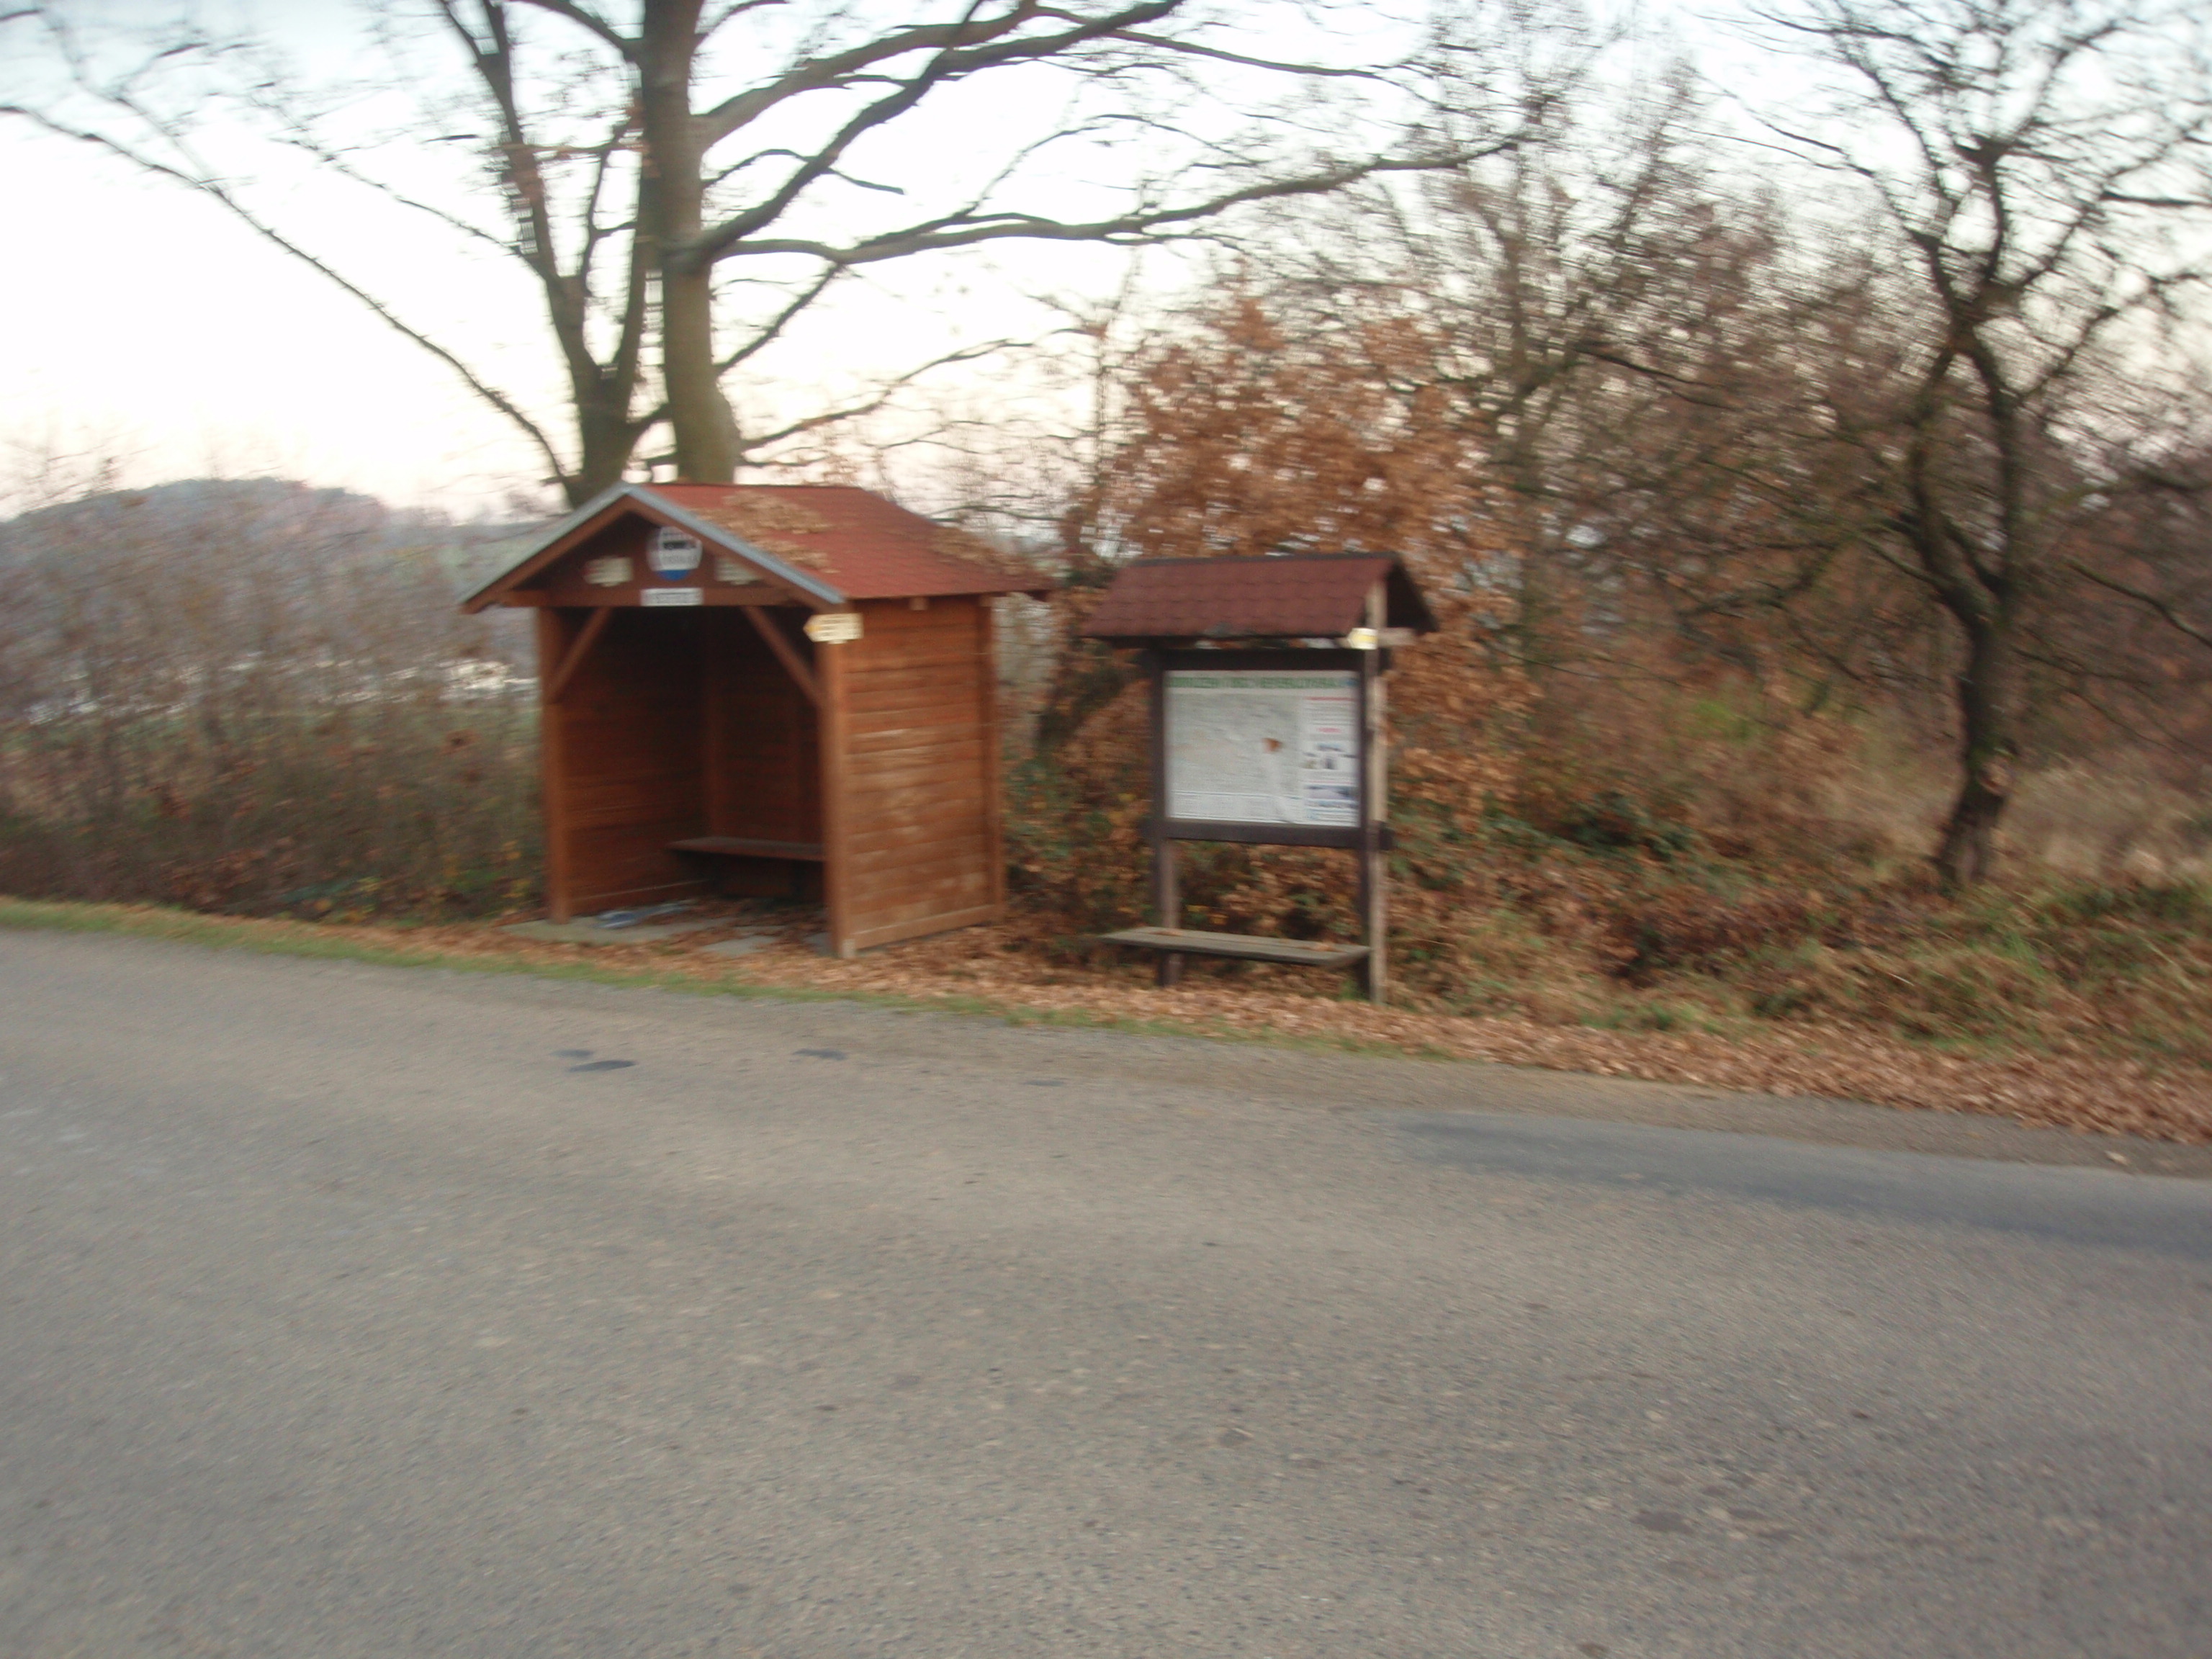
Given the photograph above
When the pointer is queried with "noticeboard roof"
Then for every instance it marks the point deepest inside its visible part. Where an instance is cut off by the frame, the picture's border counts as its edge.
(1280, 597)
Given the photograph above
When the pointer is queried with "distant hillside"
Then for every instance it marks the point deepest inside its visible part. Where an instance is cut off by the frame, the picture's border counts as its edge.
(197, 516)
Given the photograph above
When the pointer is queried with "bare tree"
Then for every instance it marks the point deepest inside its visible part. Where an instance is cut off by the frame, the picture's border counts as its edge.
(688, 181)
(1616, 325)
(2041, 169)
(1585, 294)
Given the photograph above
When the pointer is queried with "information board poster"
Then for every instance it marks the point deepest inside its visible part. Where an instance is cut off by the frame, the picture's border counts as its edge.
(1263, 746)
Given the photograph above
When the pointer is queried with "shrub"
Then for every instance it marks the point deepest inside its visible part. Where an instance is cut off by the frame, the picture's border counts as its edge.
(258, 697)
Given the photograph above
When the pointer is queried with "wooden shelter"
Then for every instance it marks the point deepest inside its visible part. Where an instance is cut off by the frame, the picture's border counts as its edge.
(1267, 726)
(765, 689)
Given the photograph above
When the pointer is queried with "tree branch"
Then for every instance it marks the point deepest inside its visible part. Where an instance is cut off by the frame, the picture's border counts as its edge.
(2150, 602)
(584, 18)
(949, 64)
(1126, 229)
(888, 390)
(215, 191)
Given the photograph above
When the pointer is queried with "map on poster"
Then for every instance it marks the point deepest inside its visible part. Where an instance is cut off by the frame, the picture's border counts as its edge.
(1263, 746)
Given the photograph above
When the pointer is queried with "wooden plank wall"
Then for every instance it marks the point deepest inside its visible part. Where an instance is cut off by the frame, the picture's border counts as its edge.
(920, 775)
(623, 776)
(762, 741)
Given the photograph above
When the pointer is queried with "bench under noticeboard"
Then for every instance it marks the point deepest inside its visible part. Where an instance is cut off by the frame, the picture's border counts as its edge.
(1174, 943)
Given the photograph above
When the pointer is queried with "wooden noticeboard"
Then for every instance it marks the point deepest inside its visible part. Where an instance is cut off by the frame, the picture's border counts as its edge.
(1268, 726)
(1222, 721)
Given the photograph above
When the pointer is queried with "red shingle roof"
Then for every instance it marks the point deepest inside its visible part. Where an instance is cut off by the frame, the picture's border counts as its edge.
(864, 546)
(1295, 596)
(833, 542)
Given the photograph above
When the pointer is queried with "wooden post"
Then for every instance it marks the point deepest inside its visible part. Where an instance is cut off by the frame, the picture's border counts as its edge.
(552, 644)
(715, 735)
(1373, 809)
(835, 728)
(995, 783)
(1167, 890)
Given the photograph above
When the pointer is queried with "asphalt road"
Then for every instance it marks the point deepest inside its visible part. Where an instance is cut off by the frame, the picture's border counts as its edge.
(351, 1311)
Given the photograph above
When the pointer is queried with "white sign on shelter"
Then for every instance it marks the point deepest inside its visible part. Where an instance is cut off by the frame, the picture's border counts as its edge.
(674, 554)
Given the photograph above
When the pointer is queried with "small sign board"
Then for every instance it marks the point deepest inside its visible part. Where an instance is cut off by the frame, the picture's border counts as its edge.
(662, 598)
(833, 627)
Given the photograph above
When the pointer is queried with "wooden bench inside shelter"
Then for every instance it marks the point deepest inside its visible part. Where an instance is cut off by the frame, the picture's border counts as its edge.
(741, 846)
(738, 856)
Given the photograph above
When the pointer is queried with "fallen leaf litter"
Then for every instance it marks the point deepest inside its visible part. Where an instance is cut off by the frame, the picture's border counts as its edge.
(1000, 967)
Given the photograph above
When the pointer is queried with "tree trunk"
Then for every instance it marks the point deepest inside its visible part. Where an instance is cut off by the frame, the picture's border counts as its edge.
(1989, 722)
(707, 444)
(606, 436)
(1540, 601)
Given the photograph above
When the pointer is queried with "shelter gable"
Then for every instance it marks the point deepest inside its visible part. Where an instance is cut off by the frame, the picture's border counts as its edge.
(616, 524)
(609, 565)
(868, 547)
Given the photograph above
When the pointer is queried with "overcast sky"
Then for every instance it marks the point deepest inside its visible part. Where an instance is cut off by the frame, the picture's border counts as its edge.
(149, 326)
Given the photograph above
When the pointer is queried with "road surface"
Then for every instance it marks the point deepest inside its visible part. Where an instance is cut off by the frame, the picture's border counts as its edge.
(352, 1311)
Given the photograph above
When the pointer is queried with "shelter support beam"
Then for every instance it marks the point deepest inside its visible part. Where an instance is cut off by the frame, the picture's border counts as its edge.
(573, 657)
(785, 652)
(836, 728)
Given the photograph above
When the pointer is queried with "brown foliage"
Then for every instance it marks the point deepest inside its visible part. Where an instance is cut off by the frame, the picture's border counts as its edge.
(1249, 438)
(1673, 836)
(1246, 440)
